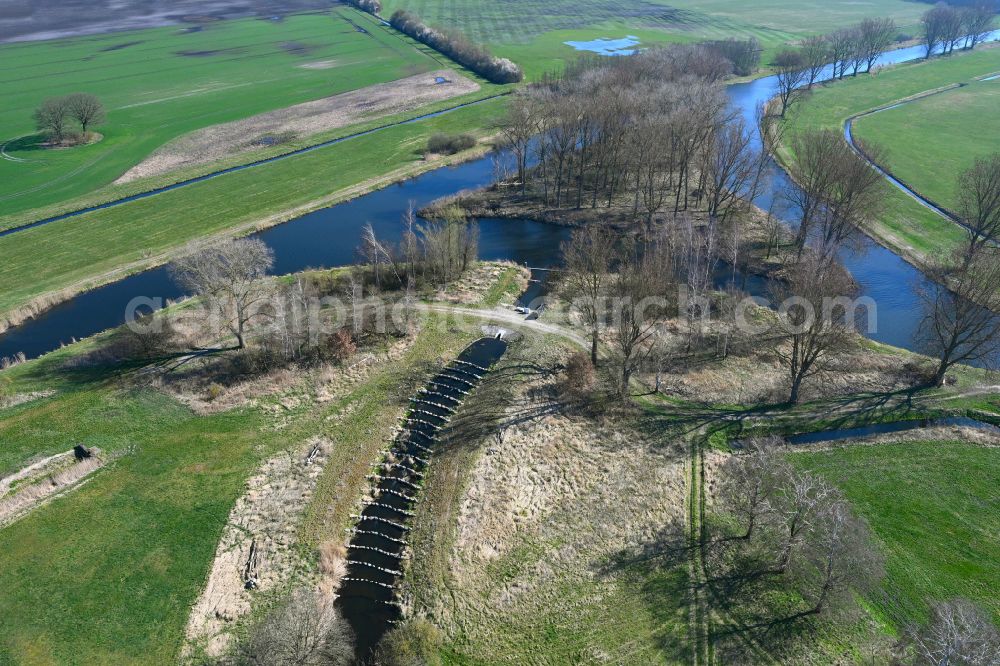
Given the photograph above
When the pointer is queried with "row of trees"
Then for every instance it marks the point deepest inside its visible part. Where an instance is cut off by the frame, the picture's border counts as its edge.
(646, 133)
(457, 47)
(58, 116)
(743, 54)
(946, 27)
(847, 51)
(373, 7)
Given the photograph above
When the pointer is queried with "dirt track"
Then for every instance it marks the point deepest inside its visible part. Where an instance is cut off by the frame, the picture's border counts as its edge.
(220, 141)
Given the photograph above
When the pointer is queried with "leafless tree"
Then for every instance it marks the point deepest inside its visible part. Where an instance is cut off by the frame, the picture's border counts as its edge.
(638, 291)
(86, 109)
(229, 275)
(978, 21)
(790, 71)
(518, 129)
(842, 47)
(876, 36)
(960, 324)
(750, 483)
(305, 629)
(816, 55)
(979, 203)
(53, 118)
(813, 322)
(942, 26)
(812, 179)
(959, 634)
(588, 258)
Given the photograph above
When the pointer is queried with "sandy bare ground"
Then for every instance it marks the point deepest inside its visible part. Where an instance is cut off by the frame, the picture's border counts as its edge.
(220, 141)
(265, 518)
(29, 488)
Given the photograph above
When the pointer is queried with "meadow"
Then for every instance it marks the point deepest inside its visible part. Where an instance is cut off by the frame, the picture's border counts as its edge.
(904, 225)
(930, 141)
(932, 505)
(532, 32)
(161, 83)
(84, 250)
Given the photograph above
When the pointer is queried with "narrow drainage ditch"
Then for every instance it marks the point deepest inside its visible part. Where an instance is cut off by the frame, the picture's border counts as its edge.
(886, 428)
(377, 550)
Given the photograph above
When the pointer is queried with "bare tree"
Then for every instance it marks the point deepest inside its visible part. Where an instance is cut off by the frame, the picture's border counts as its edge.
(813, 323)
(750, 483)
(304, 629)
(979, 203)
(978, 21)
(842, 43)
(960, 323)
(53, 117)
(812, 178)
(816, 55)
(876, 36)
(839, 552)
(86, 109)
(229, 275)
(791, 72)
(942, 26)
(588, 257)
(638, 292)
(519, 128)
(959, 634)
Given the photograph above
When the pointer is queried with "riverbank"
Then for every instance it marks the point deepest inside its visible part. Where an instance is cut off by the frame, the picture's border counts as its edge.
(906, 227)
(119, 239)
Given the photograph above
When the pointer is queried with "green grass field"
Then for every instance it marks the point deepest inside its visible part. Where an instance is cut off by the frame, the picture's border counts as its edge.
(904, 225)
(929, 142)
(79, 249)
(532, 32)
(161, 83)
(933, 506)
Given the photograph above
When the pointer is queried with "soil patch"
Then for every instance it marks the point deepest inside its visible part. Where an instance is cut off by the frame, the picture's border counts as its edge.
(29, 488)
(220, 141)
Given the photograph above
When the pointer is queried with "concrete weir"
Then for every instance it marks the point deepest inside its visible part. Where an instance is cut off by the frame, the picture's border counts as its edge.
(379, 539)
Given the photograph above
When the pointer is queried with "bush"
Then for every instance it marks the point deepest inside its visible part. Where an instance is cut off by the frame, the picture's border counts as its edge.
(579, 378)
(457, 47)
(416, 643)
(305, 629)
(449, 144)
(371, 6)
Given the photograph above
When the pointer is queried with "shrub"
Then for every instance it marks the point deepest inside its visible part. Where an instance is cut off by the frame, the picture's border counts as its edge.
(340, 346)
(371, 6)
(457, 47)
(579, 378)
(305, 629)
(415, 643)
(449, 144)
(214, 391)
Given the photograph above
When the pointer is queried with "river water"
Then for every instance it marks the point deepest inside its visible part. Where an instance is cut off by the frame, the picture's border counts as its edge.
(328, 237)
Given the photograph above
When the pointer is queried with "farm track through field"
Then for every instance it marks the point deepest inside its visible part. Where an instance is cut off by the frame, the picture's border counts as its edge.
(243, 167)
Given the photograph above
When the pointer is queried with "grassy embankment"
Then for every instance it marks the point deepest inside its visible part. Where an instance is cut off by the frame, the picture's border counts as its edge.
(532, 32)
(108, 572)
(905, 226)
(162, 83)
(933, 507)
(80, 252)
(930, 141)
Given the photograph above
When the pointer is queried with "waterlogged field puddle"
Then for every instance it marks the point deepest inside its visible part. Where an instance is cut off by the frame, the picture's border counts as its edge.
(608, 47)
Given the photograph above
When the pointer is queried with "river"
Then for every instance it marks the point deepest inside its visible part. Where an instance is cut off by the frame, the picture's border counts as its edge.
(328, 237)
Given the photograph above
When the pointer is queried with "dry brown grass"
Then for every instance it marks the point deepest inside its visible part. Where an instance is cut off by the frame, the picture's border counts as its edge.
(26, 490)
(301, 120)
